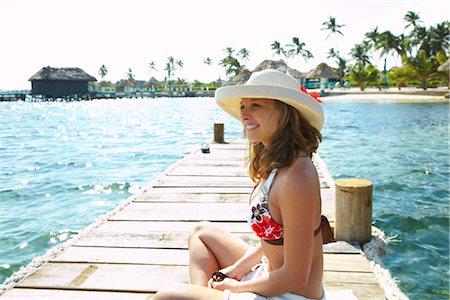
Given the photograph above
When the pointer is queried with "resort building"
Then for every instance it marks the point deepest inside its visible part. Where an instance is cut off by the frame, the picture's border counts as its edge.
(60, 82)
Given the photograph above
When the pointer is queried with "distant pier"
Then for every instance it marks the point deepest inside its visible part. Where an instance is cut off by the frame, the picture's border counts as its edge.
(7, 96)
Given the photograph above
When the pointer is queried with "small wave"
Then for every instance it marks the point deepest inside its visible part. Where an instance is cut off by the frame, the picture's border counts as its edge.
(106, 188)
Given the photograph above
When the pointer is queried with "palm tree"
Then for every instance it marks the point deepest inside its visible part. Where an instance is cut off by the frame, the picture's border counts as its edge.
(208, 61)
(278, 50)
(299, 49)
(372, 37)
(412, 19)
(342, 66)
(230, 63)
(359, 53)
(388, 42)
(244, 54)
(102, 71)
(130, 75)
(363, 75)
(332, 53)
(435, 40)
(152, 66)
(424, 67)
(229, 51)
(332, 26)
(171, 66)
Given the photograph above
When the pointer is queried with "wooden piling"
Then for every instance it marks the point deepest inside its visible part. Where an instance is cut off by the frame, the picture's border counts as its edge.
(353, 210)
(218, 133)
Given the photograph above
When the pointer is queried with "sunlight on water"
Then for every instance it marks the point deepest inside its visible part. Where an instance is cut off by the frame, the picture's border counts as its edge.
(65, 164)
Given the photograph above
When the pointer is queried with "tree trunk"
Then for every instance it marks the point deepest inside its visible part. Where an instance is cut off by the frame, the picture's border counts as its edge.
(424, 83)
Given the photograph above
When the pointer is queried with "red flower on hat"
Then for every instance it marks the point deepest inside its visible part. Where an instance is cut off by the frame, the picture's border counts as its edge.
(312, 94)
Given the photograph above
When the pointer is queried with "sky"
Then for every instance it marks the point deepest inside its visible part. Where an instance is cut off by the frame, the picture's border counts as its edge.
(129, 34)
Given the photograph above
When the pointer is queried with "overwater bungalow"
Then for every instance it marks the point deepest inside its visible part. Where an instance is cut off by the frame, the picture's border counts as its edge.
(60, 82)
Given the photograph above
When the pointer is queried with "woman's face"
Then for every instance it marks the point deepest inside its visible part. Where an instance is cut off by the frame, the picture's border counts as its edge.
(260, 119)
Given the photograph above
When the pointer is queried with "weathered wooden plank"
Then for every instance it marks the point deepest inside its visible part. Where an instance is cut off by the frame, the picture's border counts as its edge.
(193, 198)
(147, 227)
(105, 277)
(199, 162)
(203, 181)
(149, 211)
(342, 247)
(149, 278)
(349, 277)
(198, 190)
(167, 240)
(184, 170)
(49, 294)
(218, 156)
(361, 290)
(346, 262)
(183, 212)
(149, 234)
(332, 262)
(237, 144)
(173, 257)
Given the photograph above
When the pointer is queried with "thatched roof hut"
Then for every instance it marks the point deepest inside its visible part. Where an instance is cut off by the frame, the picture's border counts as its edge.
(279, 65)
(322, 71)
(240, 78)
(69, 74)
(445, 66)
(57, 82)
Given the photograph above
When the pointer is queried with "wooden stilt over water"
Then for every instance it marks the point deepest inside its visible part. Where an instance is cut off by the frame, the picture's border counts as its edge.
(142, 247)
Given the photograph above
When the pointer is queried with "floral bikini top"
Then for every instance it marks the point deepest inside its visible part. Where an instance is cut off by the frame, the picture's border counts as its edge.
(260, 219)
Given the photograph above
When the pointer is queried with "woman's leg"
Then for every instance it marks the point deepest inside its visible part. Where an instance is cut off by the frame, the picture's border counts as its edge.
(189, 292)
(212, 248)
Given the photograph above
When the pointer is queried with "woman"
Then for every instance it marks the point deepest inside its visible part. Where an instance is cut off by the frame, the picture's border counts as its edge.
(282, 124)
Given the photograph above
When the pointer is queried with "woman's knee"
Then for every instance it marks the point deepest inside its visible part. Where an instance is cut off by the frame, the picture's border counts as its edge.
(199, 229)
(187, 292)
(168, 294)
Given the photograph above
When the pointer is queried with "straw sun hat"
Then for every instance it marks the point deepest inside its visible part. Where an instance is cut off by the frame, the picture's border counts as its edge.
(271, 84)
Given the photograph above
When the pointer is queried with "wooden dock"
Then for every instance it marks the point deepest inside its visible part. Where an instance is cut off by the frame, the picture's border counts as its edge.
(143, 246)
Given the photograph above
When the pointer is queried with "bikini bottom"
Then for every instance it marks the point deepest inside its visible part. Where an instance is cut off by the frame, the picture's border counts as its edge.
(258, 271)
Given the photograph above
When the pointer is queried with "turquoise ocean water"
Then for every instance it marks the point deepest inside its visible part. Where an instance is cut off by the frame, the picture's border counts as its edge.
(65, 164)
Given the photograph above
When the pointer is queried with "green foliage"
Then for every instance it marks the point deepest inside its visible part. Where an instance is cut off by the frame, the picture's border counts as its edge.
(423, 67)
(332, 26)
(360, 53)
(362, 75)
(231, 63)
(297, 48)
(103, 71)
(401, 76)
(130, 75)
(171, 66)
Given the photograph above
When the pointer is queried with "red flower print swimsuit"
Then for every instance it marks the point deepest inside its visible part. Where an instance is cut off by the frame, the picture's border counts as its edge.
(260, 219)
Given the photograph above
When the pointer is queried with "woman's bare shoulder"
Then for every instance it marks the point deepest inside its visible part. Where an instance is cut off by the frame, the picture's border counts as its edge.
(302, 171)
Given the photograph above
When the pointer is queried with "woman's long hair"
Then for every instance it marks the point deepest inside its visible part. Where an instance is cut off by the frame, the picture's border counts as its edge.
(294, 137)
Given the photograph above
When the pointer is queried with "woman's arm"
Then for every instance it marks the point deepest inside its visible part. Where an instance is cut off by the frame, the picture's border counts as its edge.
(243, 265)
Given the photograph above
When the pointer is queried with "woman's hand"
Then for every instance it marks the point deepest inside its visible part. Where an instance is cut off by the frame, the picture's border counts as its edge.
(226, 284)
(233, 272)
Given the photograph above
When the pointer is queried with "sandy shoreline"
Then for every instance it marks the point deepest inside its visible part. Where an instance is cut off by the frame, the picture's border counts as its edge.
(406, 95)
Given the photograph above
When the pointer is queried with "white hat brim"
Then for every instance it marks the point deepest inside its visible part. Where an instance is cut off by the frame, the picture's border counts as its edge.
(229, 98)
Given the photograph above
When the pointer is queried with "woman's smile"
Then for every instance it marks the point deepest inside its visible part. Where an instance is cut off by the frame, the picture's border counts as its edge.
(259, 118)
